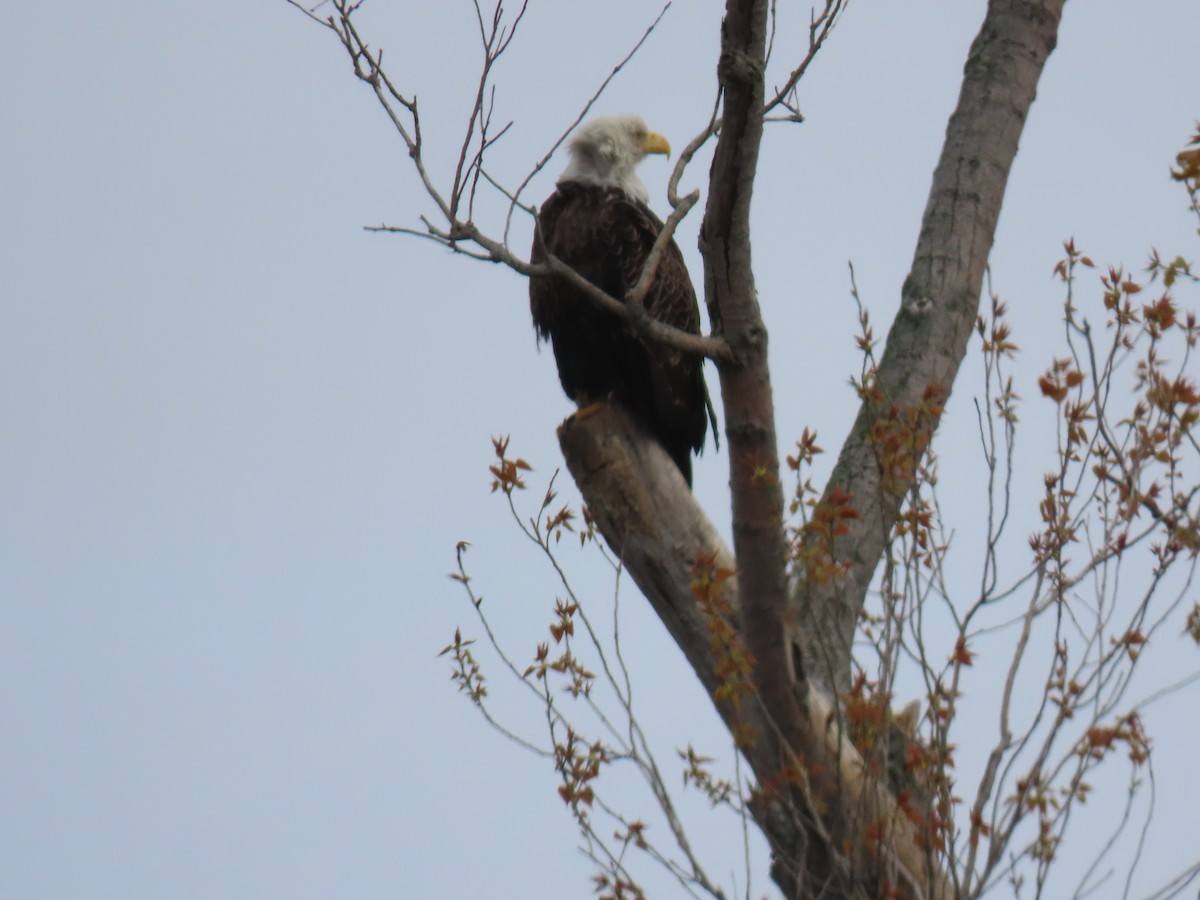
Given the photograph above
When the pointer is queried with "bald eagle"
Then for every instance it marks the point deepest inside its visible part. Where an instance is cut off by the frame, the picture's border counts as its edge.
(598, 222)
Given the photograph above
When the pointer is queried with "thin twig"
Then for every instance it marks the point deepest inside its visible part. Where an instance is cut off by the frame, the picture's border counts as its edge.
(541, 163)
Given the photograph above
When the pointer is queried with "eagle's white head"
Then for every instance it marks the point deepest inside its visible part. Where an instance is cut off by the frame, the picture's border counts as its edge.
(606, 151)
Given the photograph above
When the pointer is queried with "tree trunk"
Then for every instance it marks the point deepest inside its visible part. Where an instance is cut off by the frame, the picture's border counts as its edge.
(928, 338)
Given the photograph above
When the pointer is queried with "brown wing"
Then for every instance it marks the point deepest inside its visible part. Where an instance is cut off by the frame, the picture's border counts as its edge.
(606, 237)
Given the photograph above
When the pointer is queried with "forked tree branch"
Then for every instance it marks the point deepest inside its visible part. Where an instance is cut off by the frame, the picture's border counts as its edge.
(647, 514)
(926, 345)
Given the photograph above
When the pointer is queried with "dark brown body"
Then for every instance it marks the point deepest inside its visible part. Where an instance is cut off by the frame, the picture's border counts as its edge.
(605, 236)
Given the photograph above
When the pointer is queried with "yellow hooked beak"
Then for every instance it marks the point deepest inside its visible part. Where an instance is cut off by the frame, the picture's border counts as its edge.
(656, 143)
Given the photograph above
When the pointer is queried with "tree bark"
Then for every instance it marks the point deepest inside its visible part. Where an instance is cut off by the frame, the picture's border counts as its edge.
(928, 338)
(756, 493)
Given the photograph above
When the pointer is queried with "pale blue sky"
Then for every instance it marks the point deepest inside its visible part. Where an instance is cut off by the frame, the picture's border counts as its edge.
(242, 436)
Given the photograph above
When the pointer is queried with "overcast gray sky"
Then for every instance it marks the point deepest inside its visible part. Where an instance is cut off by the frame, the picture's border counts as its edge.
(242, 436)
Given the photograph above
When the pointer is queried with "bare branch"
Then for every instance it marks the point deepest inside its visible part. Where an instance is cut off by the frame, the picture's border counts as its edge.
(819, 28)
(587, 107)
(692, 148)
(636, 295)
(495, 38)
(714, 348)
